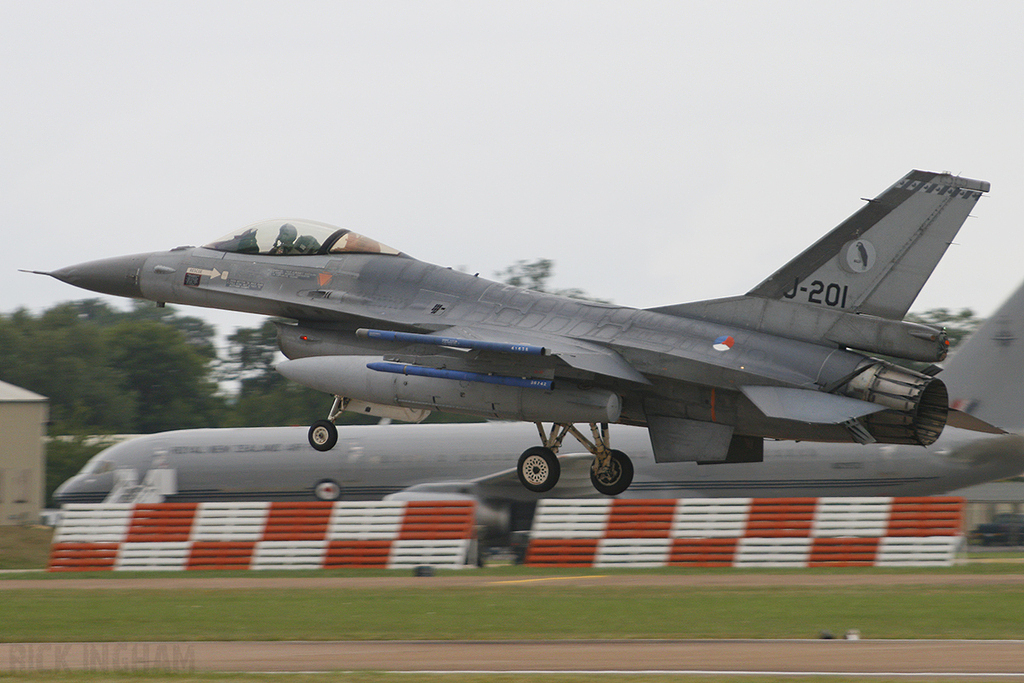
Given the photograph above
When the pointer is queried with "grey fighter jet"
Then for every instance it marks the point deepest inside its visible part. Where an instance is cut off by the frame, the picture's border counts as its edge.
(390, 335)
(472, 461)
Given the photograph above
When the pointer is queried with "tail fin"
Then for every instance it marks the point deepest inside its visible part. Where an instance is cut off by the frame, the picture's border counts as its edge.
(984, 376)
(878, 259)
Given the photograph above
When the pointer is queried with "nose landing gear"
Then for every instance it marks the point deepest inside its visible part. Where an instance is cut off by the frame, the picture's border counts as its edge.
(323, 434)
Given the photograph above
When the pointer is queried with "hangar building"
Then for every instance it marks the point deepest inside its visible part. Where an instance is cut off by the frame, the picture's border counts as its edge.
(23, 417)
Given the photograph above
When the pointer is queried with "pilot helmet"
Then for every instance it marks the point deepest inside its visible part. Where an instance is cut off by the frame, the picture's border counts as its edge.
(287, 234)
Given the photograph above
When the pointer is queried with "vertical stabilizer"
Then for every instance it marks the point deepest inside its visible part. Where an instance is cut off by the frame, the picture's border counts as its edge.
(985, 376)
(878, 259)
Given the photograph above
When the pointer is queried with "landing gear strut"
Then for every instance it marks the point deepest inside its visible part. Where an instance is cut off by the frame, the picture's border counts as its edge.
(611, 473)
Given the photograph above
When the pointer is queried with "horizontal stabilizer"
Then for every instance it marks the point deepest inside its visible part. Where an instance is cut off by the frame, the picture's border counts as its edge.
(962, 420)
(807, 405)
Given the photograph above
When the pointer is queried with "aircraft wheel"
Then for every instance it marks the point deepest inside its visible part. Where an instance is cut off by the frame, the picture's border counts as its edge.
(618, 477)
(327, 490)
(538, 469)
(323, 435)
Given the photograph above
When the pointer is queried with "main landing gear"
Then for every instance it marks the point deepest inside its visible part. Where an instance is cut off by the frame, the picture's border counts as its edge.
(538, 469)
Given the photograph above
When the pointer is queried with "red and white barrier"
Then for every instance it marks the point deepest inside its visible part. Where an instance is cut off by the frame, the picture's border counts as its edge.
(174, 536)
(747, 532)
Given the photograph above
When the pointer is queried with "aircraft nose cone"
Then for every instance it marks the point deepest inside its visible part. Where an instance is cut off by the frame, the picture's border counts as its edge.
(61, 492)
(81, 489)
(118, 276)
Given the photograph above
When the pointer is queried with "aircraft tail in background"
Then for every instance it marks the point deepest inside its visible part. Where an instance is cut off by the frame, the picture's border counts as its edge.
(985, 375)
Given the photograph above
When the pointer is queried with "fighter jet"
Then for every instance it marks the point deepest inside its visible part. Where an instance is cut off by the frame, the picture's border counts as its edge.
(390, 335)
(470, 461)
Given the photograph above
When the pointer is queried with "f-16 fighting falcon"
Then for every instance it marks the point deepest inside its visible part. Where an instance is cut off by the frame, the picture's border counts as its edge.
(389, 335)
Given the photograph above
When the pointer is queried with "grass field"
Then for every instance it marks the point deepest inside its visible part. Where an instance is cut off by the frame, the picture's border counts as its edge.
(502, 609)
(495, 611)
(550, 613)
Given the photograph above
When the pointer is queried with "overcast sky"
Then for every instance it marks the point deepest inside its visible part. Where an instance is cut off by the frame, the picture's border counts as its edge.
(659, 152)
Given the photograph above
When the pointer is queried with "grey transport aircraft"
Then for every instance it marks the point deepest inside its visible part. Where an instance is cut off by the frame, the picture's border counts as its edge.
(390, 335)
(471, 461)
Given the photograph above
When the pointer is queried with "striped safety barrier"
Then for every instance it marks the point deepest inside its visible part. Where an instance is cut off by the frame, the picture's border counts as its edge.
(747, 532)
(279, 535)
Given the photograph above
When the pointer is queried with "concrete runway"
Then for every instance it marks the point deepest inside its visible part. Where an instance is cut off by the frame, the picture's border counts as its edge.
(972, 659)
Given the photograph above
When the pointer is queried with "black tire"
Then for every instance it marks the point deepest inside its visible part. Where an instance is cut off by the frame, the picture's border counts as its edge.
(327, 489)
(617, 479)
(538, 469)
(323, 435)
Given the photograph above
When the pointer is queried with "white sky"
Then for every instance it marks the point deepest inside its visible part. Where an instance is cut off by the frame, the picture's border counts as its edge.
(659, 152)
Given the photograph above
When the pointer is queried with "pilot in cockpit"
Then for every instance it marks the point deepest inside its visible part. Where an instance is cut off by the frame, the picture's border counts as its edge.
(288, 242)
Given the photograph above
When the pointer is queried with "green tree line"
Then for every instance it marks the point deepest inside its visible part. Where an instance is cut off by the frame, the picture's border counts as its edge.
(144, 370)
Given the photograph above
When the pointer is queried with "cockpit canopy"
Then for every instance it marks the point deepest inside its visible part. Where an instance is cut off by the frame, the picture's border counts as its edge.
(290, 237)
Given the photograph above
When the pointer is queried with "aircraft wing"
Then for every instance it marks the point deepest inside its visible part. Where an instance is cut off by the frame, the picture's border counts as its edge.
(501, 346)
(574, 482)
(512, 354)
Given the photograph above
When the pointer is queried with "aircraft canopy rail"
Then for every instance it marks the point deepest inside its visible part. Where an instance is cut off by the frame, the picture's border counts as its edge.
(297, 237)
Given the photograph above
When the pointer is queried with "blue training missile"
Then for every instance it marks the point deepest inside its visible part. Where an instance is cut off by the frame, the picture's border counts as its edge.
(454, 342)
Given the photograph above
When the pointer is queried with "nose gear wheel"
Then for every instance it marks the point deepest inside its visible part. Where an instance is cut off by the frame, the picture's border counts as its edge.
(323, 434)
